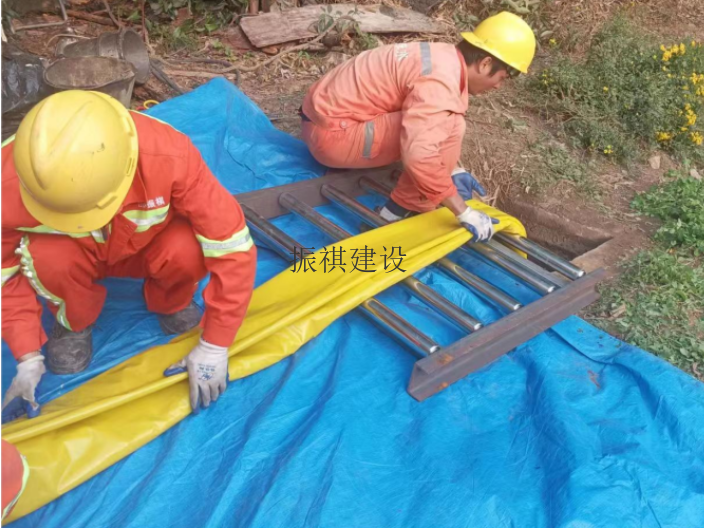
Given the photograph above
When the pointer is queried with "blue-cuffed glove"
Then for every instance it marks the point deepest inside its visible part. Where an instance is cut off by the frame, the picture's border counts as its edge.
(466, 184)
(481, 225)
(19, 397)
(207, 371)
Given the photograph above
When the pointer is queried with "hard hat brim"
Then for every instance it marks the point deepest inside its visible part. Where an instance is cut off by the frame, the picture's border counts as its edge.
(481, 44)
(84, 222)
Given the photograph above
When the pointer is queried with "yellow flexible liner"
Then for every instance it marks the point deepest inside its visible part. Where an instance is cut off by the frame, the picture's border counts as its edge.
(87, 430)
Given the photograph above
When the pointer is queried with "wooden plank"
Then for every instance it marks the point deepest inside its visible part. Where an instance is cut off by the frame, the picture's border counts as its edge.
(296, 24)
(266, 201)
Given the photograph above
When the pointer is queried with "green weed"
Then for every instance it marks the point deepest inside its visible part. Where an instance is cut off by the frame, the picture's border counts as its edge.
(680, 205)
(629, 92)
(658, 302)
(658, 305)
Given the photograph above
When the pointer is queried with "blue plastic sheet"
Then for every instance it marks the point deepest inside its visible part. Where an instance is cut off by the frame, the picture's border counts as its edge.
(573, 429)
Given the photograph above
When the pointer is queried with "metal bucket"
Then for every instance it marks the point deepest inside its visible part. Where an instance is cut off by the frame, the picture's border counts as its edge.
(126, 45)
(114, 77)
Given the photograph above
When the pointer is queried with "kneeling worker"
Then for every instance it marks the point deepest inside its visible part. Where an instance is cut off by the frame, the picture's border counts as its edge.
(407, 102)
(90, 190)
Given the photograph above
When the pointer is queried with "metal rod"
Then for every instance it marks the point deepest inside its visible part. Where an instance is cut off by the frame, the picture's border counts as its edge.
(416, 287)
(374, 186)
(518, 269)
(473, 282)
(522, 273)
(271, 235)
(419, 344)
(542, 255)
(487, 291)
(548, 276)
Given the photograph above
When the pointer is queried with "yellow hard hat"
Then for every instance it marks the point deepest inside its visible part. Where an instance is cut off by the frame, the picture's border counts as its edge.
(75, 154)
(507, 37)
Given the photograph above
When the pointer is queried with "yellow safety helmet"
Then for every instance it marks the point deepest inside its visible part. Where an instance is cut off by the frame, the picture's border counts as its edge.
(507, 37)
(76, 154)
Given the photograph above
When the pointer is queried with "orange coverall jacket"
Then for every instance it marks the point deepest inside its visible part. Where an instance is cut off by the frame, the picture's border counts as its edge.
(398, 102)
(172, 184)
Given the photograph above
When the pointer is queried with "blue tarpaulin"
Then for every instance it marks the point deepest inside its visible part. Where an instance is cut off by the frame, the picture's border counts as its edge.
(572, 429)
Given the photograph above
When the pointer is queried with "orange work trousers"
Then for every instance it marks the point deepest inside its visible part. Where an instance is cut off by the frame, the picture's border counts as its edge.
(375, 144)
(14, 477)
(172, 264)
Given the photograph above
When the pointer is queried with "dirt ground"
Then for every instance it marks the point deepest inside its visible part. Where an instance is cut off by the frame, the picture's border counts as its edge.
(500, 128)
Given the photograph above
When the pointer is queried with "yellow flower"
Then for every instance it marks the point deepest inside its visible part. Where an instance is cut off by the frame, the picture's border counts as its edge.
(608, 150)
(662, 137)
(606, 89)
(553, 42)
(683, 49)
(697, 138)
(694, 43)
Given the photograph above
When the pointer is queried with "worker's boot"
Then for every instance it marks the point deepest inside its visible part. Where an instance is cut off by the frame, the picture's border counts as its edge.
(181, 321)
(69, 352)
(391, 212)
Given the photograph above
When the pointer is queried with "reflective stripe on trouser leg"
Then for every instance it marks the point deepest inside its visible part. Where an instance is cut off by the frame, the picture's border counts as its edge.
(426, 65)
(368, 139)
(25, 477)
(8, 273)
(28, 270)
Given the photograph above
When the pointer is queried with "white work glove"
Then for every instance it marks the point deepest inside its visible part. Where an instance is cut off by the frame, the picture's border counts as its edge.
(29, 373)
(481, 225)
(206, 365)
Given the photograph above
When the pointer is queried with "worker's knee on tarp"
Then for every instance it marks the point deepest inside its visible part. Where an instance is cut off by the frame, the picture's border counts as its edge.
(58, 260)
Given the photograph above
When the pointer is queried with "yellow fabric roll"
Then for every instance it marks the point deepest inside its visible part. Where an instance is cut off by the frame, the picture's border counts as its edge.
(89, 429)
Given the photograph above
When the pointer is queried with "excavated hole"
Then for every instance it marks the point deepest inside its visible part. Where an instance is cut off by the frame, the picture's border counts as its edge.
(561, 236)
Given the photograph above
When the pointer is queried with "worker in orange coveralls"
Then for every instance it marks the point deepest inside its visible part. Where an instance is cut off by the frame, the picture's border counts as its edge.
(407, 102)
(90, 190)
(15, 473)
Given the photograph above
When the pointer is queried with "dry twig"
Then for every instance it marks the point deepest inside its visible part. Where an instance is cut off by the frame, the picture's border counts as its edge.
(112, 17)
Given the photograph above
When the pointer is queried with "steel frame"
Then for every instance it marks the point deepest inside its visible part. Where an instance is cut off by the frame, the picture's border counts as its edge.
(437, 371)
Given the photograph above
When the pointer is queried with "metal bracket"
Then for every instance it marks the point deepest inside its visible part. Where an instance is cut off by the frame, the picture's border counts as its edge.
(436, 372)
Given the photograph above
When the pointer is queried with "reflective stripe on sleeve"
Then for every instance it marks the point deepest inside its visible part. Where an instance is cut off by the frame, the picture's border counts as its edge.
(237, 243)
(46, 230)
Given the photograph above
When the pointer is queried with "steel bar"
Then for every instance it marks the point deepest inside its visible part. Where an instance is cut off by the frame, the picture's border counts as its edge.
(516, 268)
(548, 276)
(419, 344)
(416, 287)
(471, 353)
(455, 271)
(371, 185)
(542, 255)
(513, 268)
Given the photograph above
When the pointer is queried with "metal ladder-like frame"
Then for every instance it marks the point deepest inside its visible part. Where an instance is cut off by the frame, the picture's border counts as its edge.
(564, 288)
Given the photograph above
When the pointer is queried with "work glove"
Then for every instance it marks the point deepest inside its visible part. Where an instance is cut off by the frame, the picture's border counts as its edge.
(23, 386)
(466, 184)
(481, 225)
(206, 365)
